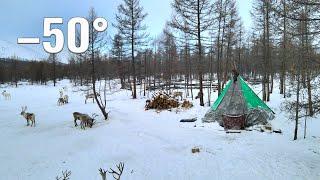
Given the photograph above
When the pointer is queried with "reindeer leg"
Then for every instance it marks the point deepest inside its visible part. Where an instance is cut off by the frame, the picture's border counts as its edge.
(27, 122)
(83, 125)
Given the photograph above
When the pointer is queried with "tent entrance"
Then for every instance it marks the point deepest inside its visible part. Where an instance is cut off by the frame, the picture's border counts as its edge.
(234, 122)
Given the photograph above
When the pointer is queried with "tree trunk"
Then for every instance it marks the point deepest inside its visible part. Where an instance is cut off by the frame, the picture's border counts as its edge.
(200, 56)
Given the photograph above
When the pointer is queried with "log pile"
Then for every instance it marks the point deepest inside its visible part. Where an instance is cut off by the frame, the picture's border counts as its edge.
(161, 101)
(187, 104)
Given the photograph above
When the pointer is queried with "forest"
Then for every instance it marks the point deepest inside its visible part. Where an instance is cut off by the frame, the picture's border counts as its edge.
(149, 94)
(203, 41)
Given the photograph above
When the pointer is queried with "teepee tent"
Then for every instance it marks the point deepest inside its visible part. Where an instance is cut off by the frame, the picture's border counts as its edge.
(238, 107)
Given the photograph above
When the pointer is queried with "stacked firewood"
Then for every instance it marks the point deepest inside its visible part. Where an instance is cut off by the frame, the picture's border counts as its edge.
(161, 101)
(187, 104)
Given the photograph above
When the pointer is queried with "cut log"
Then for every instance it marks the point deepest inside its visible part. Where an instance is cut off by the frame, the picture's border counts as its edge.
(277, 131)
(233, 132)
(188, 120)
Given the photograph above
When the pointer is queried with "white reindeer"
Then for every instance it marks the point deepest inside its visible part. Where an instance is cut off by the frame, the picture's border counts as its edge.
(28, 116)
(61, 93)
(6, 95)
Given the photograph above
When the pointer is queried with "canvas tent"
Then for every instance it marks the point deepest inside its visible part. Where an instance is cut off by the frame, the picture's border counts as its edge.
(239, 100)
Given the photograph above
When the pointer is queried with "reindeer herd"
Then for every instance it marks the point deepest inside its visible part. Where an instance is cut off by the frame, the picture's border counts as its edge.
(85, 119)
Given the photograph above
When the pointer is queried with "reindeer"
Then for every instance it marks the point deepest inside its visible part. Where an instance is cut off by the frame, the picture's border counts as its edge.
(86, 120)
(61, 93)
(90, 96)
(63, 99)
(28, 116)
(177, 94)
(61, 102)
(6, 95)
(66, 99)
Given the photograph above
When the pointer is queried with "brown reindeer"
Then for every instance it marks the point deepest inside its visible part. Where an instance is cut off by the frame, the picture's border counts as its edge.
(85, 120)
(28, 116)
(63, 100)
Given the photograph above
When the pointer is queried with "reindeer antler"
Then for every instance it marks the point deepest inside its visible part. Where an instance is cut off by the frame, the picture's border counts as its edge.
(65, 175)
(94, 115)
(103, 173)
(114, 173)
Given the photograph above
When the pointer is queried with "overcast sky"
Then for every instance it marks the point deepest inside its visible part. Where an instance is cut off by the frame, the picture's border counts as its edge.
(20, 18)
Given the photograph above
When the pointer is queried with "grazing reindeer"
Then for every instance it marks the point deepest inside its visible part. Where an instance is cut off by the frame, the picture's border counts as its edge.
(177, 94)
(6, 95)
(28, 116)
(90, 96)
(86, 120)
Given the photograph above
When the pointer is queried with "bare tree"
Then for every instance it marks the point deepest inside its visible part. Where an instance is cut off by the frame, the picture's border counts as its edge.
(129, 18)
(96, 43)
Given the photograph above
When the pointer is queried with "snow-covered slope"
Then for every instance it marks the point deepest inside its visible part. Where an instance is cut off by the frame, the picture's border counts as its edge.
(152, 145)
(10, 49)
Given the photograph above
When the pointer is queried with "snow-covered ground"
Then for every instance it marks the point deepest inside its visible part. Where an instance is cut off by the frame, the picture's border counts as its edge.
(152, 145)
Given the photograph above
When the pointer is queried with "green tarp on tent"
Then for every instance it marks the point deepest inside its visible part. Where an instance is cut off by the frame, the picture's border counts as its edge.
(251, 99)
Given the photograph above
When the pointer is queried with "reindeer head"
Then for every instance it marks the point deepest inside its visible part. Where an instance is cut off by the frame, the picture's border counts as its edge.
(92, 120)
(23, 110)
(61, 92)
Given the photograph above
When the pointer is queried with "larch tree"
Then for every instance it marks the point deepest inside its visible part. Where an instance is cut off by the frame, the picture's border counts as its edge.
(118, 53)
(130, 25)
(196, 15)
(261, 13)
(53, 60)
